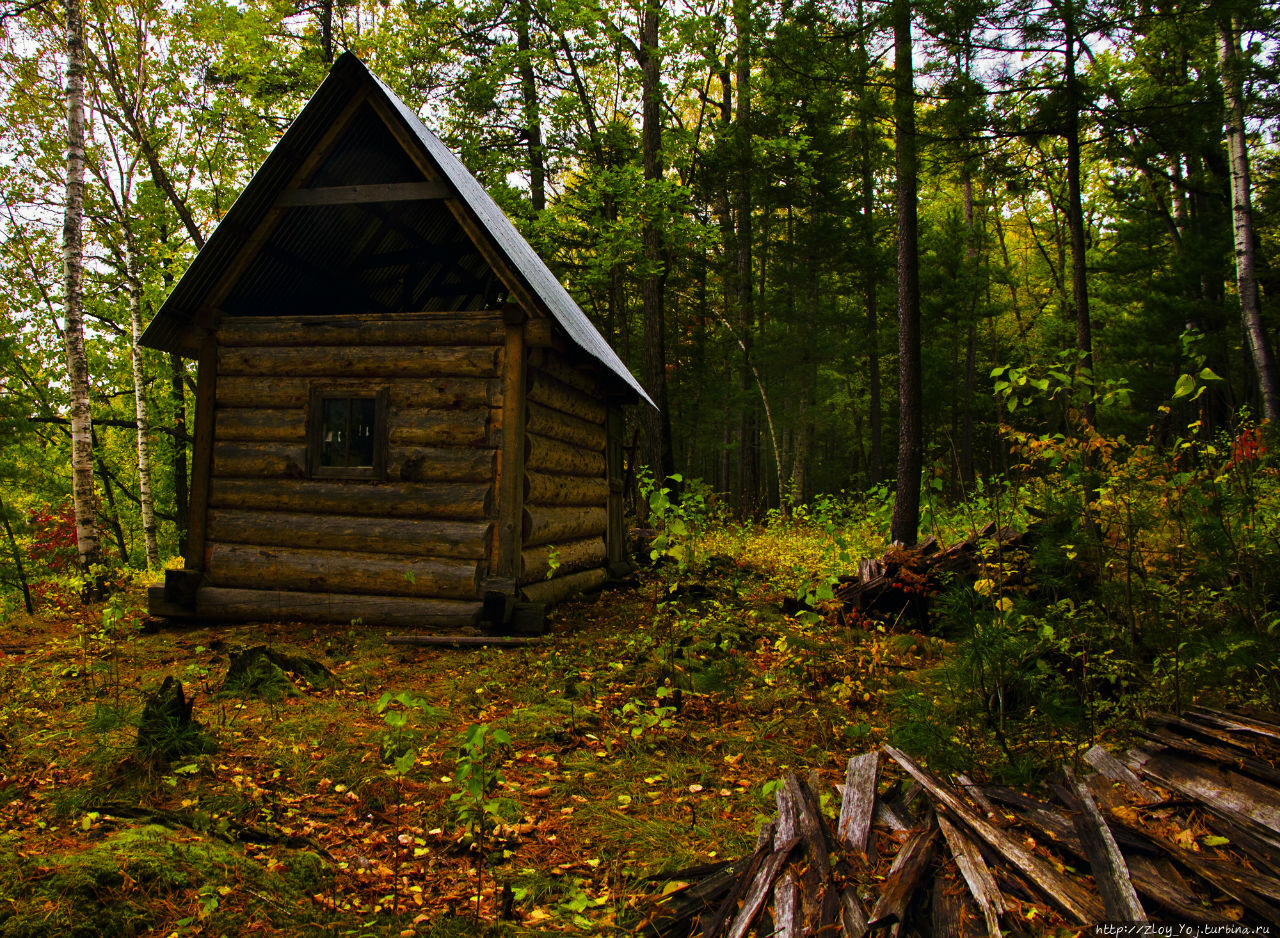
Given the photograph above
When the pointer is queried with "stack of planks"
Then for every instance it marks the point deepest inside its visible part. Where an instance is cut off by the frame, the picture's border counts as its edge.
(903, 578)
(565, 484)
(423, 533)
(1183, 831)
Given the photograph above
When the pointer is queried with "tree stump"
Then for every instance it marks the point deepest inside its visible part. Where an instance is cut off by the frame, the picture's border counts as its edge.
(167, 729)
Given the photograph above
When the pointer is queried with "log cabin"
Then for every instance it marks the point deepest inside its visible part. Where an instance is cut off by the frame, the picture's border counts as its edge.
(401, 416)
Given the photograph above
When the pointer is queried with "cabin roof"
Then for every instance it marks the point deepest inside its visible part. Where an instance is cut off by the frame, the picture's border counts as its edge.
(308, 234)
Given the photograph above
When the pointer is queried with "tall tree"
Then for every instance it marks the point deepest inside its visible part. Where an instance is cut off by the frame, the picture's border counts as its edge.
(85, 502)
(1232, 64)
(657, 424)
(906, 504)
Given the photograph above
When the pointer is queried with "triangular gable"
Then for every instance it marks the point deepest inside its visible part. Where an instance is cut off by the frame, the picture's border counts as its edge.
(348, 81)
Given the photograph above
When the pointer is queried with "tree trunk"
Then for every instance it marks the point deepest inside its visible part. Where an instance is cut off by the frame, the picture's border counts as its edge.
(140, 411)
(657, 424)
(748, 427)
(87, 540)
(326, 30)
(871, 270)
(532, 111)
(1075, 214)
(1229, 58)
(906, 504)
(971, 343)
(17, 560)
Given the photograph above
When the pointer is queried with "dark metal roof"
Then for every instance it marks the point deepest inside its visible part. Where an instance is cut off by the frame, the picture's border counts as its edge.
(304, 232)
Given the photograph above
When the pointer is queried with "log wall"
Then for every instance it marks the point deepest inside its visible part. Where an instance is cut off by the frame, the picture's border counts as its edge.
(281, 543)
(565, 481)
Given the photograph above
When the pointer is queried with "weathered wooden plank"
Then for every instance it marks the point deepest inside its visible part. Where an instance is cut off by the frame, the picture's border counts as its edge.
(1219, 789)
(904, 875)
(331, 571)
(262, 425)
(853, 919)
(1107, 864)
(453, 393)
(760, 888)
(1108, 766)
(544, 455)
(566, 428)
(585, 380)
(950, 918)
(441, 464)
(559, 525)
(570, 557)
(371, 361)
(857, 806)
(615, 537)
(982, 885)
(1150, 883)
(368, 192)
(482, 328)
(543, 489)
(545, 390)
(233, 459)
(466, 641)
(455, 539)
(713, 926)
(1227, 753)
(816, 876)
(563, 587)
(299, 606)
(458, 501)
(1062, 892)
(440, 427)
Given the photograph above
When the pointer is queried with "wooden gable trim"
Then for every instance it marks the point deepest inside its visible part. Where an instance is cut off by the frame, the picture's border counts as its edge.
(461, 213)
(207, 316)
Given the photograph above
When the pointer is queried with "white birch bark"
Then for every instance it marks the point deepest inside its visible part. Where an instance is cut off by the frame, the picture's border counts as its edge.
(1242, 219)
(73, 327)
(140, 411)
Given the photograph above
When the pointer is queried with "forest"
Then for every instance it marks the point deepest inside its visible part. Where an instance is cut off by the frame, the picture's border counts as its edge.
(992, 281)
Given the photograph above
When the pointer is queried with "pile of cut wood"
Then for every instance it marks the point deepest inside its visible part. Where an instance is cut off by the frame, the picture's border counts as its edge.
(1185, 830)
(900, 582)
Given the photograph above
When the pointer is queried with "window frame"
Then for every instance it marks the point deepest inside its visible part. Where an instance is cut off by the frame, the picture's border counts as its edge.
(315, 433)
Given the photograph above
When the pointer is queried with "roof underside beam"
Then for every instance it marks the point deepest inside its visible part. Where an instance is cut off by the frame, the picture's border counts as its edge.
(359, 195)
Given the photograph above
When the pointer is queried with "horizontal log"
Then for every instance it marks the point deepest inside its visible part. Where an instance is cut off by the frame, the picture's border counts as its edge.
(545, 390)
(435, 427)
(262, 424)
(556, 425)
(459, 501)
(438, 329)
(446, 393)
(466, 641)
(556, 366)
(457, 539)
(544, 455)
(441, 464)
(327, 571)
(371, 361)
(535, 562)
(562, 587)
(369, 192)
(412, 426)
(259, 460)
(558, 525)
(542, 489)
(221, 603)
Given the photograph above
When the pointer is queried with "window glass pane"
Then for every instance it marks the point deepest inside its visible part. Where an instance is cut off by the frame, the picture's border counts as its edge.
(360, 451)
(333, 432)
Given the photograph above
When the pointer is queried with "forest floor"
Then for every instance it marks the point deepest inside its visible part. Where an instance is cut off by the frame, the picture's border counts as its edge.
(299, 818)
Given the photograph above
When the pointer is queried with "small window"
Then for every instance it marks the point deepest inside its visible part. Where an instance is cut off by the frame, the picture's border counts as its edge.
(347, 434)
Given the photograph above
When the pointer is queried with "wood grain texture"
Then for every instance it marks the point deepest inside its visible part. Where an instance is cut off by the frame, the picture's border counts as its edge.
(544, 455)
(481, 328)
(457, 501)
(329, 571)
(563, 587)
(558, 525)
(241, 605)
(444, 393)
(369, 361)
(544, 489)
(455, 539)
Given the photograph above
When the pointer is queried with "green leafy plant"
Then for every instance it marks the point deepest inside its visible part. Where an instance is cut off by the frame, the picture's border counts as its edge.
(477, 776)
